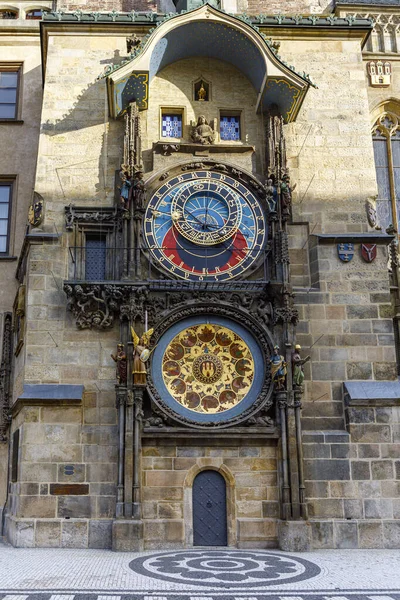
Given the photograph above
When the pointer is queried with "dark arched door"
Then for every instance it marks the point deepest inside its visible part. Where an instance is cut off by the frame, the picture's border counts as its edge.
(209, 510)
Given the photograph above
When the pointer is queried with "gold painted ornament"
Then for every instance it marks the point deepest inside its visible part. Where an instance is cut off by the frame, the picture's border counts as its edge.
(208, 368)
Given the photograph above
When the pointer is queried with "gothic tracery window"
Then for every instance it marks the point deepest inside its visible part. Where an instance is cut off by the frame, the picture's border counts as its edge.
(386, 142)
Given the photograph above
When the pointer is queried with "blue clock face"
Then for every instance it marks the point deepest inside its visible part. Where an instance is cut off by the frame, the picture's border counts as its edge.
(205, 226)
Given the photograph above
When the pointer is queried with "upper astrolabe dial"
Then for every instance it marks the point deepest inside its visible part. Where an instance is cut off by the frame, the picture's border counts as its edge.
(205, 226)
(206, 213)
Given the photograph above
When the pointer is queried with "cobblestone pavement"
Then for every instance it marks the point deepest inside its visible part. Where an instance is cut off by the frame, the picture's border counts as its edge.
(199, 574)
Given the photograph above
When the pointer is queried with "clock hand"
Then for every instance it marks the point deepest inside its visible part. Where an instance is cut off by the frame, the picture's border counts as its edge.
(205, 218)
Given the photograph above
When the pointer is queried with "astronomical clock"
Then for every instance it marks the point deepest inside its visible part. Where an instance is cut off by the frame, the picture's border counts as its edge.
(205, 226)
(208, 229)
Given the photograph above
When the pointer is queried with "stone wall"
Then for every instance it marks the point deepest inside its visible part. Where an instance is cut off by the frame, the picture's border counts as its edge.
(352, 480)
(21, 141)
(347, 329)
(66, 489)
(253, 497)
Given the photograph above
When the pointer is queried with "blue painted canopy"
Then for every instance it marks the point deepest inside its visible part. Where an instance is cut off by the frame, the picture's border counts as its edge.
(207, 32)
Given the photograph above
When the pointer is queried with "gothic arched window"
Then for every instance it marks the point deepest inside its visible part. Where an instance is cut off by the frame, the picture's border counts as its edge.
(386, 141)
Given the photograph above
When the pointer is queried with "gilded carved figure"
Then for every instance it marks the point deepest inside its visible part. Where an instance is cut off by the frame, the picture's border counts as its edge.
(278, 369)
(121, 364)
(298, 362)
(203, 133)
(141, 354)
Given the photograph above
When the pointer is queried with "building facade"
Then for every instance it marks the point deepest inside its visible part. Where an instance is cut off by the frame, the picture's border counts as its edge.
(200, 274)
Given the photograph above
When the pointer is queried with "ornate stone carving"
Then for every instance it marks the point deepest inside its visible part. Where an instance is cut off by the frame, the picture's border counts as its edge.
(132, 43)
(35, 213)
(132, 141)
(74, 214)
(282, 248)
(95, 306)
(370, 207)
(168, 149)
(286, 314)
(261, 420)
(202, 132)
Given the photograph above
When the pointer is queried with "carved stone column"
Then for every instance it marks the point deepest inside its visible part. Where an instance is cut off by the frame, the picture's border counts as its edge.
(298, 393)
(281, 399)
(121, 401)
(128, 456)
(137, 448)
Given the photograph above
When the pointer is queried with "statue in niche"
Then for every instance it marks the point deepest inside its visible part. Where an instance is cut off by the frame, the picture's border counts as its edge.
(298, 362)
(141, 354)
(286, 197)
(121, 364)
(35, 214)
(271, 194)
(203, 133)
(371, 213)
(125, 187)
(201, 94)
(138, 191)
(278, 369)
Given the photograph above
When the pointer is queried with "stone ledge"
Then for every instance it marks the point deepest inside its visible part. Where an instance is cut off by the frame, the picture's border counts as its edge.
(172, 147)
(48, 395)
(372, 393)
(357, 238)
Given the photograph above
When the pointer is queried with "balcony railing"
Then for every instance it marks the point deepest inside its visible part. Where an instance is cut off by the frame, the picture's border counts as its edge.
(97, 262)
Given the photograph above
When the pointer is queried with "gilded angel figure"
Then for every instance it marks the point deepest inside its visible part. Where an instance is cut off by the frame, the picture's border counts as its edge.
(141, 354)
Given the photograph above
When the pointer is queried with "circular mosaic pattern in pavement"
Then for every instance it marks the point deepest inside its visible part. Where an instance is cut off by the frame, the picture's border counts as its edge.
(225, 568)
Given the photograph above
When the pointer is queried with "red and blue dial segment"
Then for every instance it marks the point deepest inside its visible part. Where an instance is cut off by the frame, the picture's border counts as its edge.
(205, 226)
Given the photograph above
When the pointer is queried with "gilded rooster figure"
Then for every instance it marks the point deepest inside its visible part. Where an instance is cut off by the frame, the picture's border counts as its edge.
(141, 354)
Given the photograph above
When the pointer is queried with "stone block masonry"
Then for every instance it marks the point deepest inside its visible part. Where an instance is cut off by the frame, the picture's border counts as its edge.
(250, 472)
(353, 480)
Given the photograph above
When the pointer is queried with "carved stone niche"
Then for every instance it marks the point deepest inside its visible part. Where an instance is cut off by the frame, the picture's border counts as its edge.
(256, 415)
(201, 90)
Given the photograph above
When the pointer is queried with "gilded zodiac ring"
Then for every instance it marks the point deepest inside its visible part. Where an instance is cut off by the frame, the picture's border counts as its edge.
(207, 368)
